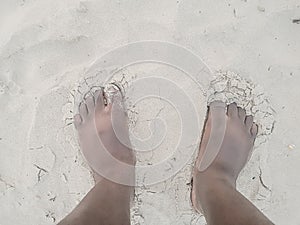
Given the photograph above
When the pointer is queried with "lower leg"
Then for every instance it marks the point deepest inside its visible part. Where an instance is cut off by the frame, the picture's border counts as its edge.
(223, 204)
(106, 203)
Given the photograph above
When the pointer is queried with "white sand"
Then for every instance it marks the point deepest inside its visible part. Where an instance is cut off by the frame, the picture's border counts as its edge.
(47, 46)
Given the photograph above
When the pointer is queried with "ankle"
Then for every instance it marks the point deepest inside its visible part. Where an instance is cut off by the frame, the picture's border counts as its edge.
(213, 176)
(210, 185)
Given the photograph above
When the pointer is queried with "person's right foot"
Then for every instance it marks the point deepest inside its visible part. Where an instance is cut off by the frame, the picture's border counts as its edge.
(234, 153)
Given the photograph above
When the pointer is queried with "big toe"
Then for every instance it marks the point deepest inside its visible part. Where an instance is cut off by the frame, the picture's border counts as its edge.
(114, 98)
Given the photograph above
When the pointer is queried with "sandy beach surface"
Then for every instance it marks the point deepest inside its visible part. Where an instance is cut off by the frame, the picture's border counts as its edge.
(51, 54)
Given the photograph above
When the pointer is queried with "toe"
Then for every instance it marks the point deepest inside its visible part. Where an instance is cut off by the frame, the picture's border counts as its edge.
(217, 108)
(254, 130)
(217, 104)
(90, 103)
(77, 120)
(249, 122)
(99, 99)
(83, 110)
(232, 110)
(242, 113)
(114, 100)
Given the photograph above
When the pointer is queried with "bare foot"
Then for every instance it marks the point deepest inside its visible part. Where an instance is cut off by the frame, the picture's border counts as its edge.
(103, 132)
(104, 141)
(234, 153)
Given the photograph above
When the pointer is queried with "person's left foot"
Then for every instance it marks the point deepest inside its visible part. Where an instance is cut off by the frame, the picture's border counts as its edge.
(104, 141)
(103, 130)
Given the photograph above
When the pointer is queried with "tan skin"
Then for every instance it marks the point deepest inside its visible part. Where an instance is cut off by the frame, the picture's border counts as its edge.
(108, 202)
(214, 191)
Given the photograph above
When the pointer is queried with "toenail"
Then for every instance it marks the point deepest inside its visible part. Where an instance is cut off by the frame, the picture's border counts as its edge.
(111, 90)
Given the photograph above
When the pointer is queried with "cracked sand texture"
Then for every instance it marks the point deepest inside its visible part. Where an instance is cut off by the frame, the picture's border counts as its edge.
(230, 87)
(175, 192)
(46, 47)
